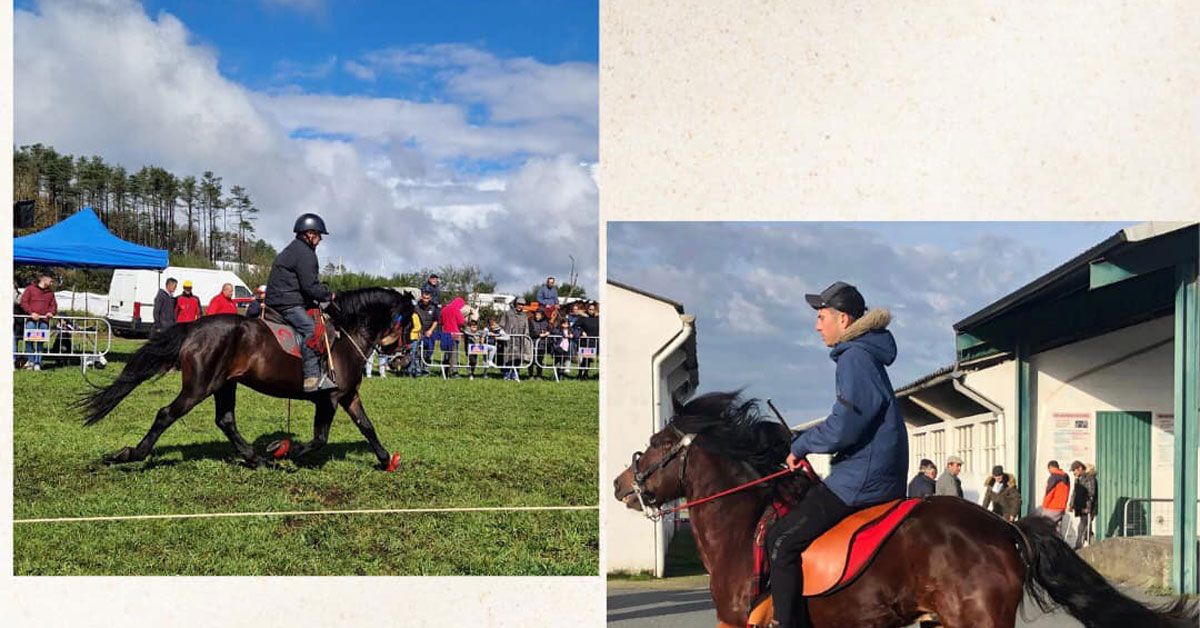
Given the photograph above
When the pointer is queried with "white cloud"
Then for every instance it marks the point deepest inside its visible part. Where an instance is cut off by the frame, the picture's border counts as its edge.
(287, 70)
(359, 71)
(745, 282)
(379, 169)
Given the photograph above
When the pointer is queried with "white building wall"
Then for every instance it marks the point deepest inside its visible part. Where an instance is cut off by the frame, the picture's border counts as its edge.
(635, 328)
(1102, 374)
(1086, 377)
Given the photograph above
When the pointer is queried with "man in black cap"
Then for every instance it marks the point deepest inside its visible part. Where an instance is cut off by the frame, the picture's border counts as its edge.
(433, 286)
(864, 430)
(293, 287)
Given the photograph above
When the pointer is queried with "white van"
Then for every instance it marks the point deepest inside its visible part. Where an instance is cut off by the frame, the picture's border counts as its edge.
(131, 293)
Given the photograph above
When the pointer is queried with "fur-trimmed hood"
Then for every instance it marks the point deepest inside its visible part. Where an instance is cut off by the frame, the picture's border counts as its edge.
(870, 333)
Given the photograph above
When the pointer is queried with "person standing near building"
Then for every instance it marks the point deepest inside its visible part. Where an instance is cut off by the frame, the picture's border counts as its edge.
(39, 304)
(187, 305)
(922, 484)
(1083, 503)
(1054, 502)
(948, 483)
(164, 307)
(223, 302)
(1001, 493)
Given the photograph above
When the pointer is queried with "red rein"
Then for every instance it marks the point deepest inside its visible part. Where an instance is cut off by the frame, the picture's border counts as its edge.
(804, 466)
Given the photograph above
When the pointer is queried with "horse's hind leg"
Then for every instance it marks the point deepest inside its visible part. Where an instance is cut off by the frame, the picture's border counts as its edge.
(226, 399)
(321, 422)
(167, 415)
(354, 408)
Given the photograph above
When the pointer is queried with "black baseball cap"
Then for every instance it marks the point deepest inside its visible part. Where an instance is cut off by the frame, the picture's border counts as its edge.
(841, 296)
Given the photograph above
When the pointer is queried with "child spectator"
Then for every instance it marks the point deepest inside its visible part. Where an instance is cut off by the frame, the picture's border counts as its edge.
(539, 330)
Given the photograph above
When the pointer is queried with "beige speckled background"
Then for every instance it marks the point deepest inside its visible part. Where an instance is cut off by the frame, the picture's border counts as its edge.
(948, 110)
(780, 110)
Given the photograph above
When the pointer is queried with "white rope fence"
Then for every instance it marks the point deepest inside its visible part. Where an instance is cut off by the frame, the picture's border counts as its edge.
(299, 513)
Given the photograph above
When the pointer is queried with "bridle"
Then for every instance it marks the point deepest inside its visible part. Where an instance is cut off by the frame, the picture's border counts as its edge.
(680, 450)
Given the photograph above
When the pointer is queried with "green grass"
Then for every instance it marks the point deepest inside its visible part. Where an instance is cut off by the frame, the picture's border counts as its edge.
(463, 443)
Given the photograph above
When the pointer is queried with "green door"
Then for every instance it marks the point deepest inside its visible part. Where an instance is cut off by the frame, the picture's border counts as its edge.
(1122, 472)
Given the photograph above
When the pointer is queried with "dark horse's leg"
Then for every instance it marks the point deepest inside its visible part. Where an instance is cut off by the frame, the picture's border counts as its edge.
(354, 408)
(226, 399)
(193, 393)
(321, 422)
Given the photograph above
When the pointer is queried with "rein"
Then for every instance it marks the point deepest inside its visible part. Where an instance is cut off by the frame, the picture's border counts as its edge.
(681, 448)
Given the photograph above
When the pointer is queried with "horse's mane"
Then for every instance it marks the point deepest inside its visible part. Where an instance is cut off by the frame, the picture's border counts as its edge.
(369, 309)
(735, 427)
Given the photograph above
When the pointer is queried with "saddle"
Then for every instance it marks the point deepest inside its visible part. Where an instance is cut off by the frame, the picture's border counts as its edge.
(833, 561)
(286, 336)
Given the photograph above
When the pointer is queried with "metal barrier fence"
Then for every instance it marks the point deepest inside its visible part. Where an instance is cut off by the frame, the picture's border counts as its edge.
(566, 353)
(1140, 522)
(502, 356)
(82, 338)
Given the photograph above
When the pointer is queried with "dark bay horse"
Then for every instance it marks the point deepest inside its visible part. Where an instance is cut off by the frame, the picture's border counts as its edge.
(216, 353)
(951, 557)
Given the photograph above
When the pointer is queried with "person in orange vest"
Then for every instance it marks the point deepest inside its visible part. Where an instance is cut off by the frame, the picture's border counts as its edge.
(1058, 486)
(223, 302)
(187, 305)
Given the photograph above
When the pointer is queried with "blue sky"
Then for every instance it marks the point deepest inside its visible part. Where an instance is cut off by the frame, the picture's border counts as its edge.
(745, 282)
(426, 133)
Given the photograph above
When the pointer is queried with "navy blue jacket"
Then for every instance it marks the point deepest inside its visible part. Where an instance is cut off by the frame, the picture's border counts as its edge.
(921, 486)
(864, 431)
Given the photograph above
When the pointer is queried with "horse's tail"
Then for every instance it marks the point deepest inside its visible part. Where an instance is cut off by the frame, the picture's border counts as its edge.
(155, 357)
(1057, 572)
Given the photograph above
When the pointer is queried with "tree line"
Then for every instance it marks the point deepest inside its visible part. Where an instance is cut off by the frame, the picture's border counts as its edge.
(192, 216)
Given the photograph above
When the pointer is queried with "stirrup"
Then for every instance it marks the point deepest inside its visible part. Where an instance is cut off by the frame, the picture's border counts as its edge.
(326, 383)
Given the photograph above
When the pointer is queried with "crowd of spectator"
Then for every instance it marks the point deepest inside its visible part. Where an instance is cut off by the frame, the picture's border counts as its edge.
(533, 335)
(1002, 496)
(563, 337)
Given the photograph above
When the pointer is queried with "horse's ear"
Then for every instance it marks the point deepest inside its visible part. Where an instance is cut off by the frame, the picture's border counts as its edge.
(676, 407)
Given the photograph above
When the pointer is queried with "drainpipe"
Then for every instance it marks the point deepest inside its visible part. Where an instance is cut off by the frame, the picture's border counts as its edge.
(979, 398)
(656, 367)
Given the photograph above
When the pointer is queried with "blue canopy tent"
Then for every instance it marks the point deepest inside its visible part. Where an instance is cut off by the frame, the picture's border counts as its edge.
(82, 241)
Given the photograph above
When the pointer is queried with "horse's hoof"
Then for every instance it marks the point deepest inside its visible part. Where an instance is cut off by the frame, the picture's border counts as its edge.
(119, 456)
(394, 463)
(280, 448)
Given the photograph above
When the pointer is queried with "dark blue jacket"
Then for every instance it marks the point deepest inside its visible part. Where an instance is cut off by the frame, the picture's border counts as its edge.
(547, 295)
(435, 292)
(921, 486)
(864, 431)
(293, 280)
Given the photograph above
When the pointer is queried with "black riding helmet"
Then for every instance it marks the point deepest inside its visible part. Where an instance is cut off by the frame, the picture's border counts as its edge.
(310, 222)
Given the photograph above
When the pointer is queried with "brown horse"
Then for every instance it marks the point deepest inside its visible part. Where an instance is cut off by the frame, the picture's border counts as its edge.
(950, 557)
(216, 353)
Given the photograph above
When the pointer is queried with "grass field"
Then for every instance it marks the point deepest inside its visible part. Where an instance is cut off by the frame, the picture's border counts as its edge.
(463, 443)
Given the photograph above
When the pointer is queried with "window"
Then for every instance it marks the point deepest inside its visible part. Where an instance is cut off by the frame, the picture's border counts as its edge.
(939, 448)
(991, 453)
(966, 446)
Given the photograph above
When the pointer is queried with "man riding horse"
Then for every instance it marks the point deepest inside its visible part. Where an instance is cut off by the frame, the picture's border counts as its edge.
(864, 432)
(293, 287)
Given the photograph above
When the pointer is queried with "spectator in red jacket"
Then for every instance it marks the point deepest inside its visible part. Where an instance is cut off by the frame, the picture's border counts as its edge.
(1058, 486)
(187, 305)
(451, 321)
(223, 302)
(39, 304)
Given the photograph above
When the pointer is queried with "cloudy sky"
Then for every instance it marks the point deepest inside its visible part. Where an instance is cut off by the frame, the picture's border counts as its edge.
(746, 282)
(424, 133)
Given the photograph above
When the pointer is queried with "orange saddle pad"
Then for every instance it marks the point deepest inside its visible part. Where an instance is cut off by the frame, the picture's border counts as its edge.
(839, 556)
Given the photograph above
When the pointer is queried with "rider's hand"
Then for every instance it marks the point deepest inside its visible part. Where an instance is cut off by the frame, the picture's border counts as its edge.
(793, 462)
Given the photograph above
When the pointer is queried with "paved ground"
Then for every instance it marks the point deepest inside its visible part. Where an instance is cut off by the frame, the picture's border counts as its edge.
(684, 603)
